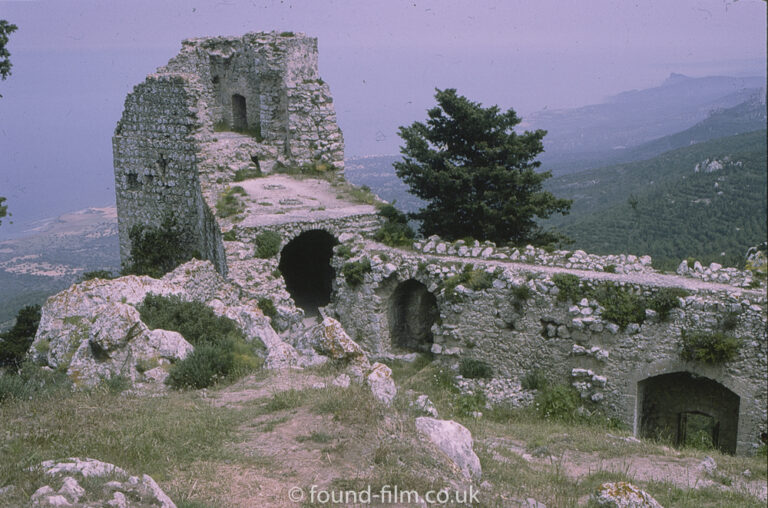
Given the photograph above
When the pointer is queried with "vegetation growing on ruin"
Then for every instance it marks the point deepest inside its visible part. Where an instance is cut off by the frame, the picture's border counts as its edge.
(229, 203)
(472, 368)
(354, 271)
(253, 131)
(267, 306)
(268, 244)
(247, 173)
(156, 251)
(621, 305)
(471, 278)
(395, 231)
(221, 351)
(713, 348)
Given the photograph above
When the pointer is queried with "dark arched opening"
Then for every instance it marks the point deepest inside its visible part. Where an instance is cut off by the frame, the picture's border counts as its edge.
(412, 312)
(239, 113)
(687, 409)
(305, 263)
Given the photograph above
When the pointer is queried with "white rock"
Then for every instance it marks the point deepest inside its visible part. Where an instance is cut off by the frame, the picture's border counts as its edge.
(169, 344)
(85, 467)
(623, 495)
(454, 440)
(43, 491)
(708, 465)
(71, 490)
(342, 380)
(423, 403)
(381, 383)
(118, 500)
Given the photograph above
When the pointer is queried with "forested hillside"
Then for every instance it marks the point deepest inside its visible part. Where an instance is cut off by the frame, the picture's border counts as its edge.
(707, 201)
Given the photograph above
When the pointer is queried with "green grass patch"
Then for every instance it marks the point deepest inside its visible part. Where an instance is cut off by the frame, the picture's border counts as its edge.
(247, 174)
(221, 352)
(229, 203)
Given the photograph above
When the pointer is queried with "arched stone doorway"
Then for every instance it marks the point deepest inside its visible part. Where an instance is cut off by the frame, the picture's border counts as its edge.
(684, 408)
(239, 113)
(412, 312)
(305, 263)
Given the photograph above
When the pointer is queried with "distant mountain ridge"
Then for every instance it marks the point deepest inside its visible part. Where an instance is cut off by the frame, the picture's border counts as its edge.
(707, 200)
(600, 134)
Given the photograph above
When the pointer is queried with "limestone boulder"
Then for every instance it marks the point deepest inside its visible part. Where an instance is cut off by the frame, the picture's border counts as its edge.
(623, 495)
(94, 331)
(108, 485)
(454, 440)
(331, 340)
(380, 382)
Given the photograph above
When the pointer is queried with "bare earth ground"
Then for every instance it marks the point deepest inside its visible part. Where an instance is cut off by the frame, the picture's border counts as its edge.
(283, 454)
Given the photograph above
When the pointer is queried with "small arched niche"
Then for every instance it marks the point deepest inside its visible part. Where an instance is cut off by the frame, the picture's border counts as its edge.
(685, 408)
(239, 113)
(412, 312)
(305, 263)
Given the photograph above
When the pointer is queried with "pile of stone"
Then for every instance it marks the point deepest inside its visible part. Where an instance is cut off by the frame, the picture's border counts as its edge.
(108, 485)
(621, 263)
(716, 272)
(498, 391)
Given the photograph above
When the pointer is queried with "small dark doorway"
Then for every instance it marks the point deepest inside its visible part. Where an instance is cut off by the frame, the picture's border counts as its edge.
(305, 263)
(239, 113)
(691, 410)
(412, 312)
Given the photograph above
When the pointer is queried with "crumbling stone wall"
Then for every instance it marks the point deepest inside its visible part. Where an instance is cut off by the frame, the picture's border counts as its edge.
(518, 331)
(162, 142)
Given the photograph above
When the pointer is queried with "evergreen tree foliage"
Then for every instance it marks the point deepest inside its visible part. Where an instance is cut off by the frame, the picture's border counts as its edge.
(15, 343)
(477, 174)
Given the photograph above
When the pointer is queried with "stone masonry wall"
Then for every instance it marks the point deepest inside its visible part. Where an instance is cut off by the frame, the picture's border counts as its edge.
(165, 138)
(518, 331)
(155, 158)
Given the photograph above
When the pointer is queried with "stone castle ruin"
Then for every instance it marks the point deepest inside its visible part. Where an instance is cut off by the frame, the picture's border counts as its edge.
(237, 137)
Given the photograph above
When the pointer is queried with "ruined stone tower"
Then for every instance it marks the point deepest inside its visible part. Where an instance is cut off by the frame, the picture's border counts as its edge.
(261, 91)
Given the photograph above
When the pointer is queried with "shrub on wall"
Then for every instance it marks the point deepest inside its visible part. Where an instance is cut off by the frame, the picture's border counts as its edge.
(471, 368)
(569, 287)
(268, 244)
(156, 251)
(665, 300)
(267, 306)
(395, 231)
(621, 305)
(712, 348)
(474, 279)
(229, 203)
(354, 271)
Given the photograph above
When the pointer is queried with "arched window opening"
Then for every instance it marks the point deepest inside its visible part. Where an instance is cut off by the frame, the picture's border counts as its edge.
(412, 312)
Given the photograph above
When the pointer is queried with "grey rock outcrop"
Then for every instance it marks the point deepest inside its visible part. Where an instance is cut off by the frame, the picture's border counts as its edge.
(623, 495)
(109, 485)
(94, 331)
(454, 440)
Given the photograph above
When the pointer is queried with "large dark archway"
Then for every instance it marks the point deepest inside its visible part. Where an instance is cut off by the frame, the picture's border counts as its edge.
(682, 407)
(305, 263)
(412, 312)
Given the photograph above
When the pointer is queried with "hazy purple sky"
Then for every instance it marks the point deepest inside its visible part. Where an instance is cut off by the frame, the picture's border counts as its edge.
(74, 62)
